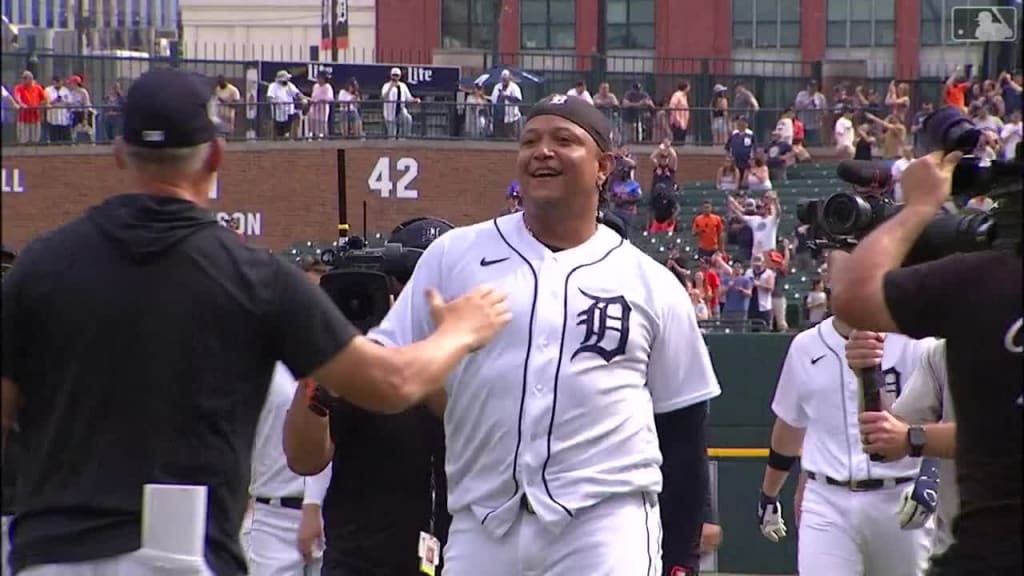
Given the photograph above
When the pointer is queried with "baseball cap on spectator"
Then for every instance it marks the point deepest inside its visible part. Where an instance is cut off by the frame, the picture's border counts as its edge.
(168, 108)
(7, 252)
(776, 258)
(505, 74)
(581, 113)
(750, 204)
(282, 75)
(395, 72)
(309, 263)
(718, 88)
(75, 79)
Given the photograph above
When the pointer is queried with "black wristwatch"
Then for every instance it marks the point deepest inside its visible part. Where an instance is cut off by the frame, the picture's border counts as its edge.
(916, 439)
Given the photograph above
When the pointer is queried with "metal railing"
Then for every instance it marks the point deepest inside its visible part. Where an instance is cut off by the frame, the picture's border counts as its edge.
(427, 119)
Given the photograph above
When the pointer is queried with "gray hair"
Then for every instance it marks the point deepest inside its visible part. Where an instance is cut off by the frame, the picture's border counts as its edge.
(164, 163)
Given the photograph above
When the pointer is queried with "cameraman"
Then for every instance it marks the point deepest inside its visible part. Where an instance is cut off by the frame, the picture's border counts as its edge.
(388, 485)
(981, 324)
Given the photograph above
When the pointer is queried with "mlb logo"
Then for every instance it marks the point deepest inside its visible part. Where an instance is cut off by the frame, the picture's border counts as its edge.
(984, 24)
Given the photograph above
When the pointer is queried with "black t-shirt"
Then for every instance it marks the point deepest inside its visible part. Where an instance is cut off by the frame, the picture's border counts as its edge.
(388, 484)
(862, 150)
(142, 338)
(979, 296)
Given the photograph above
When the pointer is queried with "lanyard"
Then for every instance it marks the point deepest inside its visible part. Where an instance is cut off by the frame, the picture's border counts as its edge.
(433, 496)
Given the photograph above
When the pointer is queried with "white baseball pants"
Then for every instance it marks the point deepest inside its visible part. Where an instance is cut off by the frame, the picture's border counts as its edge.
(5, 564)
(844, 533)
(135, 563)
(270, 536)
(621, 535)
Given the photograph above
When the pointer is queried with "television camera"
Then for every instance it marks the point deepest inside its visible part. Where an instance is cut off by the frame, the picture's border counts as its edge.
(362, 281)
(843, 218)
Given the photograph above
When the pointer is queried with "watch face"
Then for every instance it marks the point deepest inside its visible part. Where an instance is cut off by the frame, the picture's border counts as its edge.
(916, 437)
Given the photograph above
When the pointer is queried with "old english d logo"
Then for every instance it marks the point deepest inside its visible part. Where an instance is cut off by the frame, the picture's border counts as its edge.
(606, 327)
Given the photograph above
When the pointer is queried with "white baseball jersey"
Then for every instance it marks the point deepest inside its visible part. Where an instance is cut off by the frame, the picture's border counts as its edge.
(818, 391)
(271, 477)
(560, 405)
(926, 399)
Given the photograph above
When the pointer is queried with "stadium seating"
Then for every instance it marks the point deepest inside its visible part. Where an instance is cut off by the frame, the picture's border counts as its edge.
(805, 181)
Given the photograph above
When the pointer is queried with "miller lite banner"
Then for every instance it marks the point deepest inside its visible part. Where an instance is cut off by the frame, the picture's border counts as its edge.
(421, 79)
(334, 24)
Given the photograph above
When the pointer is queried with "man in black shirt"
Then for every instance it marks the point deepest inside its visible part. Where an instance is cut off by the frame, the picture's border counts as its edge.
(974, 302)
(388, 483)
(142, 354)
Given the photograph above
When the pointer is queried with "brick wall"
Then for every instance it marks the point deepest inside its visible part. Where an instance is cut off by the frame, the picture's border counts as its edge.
(293, 188)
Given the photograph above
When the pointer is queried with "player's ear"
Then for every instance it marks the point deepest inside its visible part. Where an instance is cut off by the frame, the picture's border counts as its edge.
(605, 166)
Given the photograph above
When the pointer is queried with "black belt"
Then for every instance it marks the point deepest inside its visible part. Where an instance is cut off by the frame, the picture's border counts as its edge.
(861, 485)
(292, 503)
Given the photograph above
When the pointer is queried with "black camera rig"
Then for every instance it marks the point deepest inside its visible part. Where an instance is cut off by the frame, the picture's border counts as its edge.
(362, 281)
(842, 219)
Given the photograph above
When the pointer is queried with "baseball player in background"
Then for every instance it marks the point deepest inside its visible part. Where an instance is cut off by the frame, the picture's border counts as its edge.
(282, 534)
(921, 422)
(552, 452)
(849, 505)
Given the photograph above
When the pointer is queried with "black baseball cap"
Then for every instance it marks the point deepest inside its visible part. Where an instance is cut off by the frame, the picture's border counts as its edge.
(579, 112)
(168, 108)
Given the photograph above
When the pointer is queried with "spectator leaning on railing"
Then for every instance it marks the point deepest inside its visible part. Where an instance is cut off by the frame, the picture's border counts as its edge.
(679, 113)
(112, 115)
(322, 97)
(58, 114)
(396, 96)
(811, 105)
(31, 99)
(348, 99)
(227, 99)
(282, 95)
(82, 114)
(506, 97)
(719, 115)
(580, 91)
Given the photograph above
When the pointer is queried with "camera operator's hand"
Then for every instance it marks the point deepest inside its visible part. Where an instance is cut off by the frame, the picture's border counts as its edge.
(479, 315)
(864, 349)
(927, 181)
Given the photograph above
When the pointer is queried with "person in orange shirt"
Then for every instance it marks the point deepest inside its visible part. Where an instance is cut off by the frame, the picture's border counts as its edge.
(955, 90)
(30, 98)
(679, 112)
(709, 230)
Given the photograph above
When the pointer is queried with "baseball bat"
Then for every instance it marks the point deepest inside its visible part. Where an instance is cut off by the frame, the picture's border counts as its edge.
(870, 380)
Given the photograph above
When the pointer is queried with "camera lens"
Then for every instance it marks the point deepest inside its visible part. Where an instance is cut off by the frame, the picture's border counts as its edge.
(846, 214)
(949, 130)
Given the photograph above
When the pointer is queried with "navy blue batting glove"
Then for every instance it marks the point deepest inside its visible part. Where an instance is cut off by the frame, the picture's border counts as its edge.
(919, 502)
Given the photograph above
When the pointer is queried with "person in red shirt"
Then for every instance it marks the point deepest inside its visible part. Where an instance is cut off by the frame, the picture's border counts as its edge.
(711, 284)
(30, 98)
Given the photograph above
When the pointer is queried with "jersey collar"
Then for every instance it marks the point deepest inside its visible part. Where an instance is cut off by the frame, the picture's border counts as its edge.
(513, 227)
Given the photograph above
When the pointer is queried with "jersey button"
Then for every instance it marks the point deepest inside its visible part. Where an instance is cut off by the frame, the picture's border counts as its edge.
(539, 388)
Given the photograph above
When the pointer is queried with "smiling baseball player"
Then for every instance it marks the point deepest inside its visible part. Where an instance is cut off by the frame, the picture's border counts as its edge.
(850, 504)
(552, 452)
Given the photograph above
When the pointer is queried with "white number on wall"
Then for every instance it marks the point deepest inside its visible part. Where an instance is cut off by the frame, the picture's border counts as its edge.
(380, 178)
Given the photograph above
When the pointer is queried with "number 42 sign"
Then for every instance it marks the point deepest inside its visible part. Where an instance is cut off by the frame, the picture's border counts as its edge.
(380, 178)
